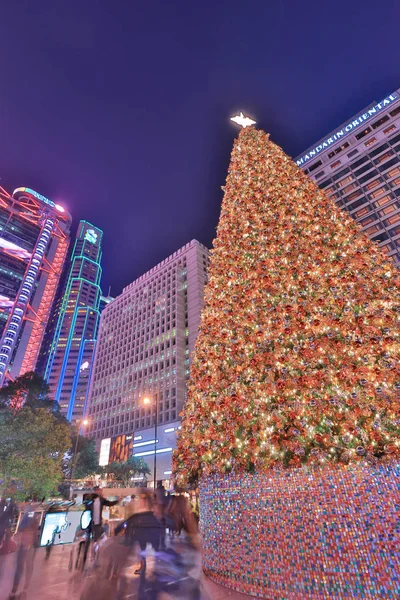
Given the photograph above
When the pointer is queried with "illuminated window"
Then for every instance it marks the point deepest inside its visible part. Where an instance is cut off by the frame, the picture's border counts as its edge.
(345, 181)
(373, 184)
(350, 187)
(336, 164)
(377, 192)
(370, 142)
(373, 229)
(383, 201)
(384, 156)
(393, 172)
(392, 220)
(389, 129)
(363, 133)
(361, 212)
(388, 210)
(367, 220)
(353, 196)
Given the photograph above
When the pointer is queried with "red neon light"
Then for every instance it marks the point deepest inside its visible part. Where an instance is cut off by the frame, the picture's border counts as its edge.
(43, 312)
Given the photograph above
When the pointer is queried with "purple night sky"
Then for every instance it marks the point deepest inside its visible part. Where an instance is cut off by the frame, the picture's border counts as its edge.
(120, 110)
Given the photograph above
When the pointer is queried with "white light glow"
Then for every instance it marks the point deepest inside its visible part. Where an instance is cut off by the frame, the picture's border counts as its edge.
(60, 208)
(242, 120)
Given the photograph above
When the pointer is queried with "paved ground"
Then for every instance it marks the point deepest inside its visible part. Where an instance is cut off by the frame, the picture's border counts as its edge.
(52, 580)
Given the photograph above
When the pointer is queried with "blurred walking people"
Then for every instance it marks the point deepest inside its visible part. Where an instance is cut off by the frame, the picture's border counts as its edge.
(8, 514)
(27, 538)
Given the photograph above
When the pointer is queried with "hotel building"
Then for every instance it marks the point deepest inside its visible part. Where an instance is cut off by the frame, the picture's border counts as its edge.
(34, 240)
(75, 325)
(145, 341)
(358, 165)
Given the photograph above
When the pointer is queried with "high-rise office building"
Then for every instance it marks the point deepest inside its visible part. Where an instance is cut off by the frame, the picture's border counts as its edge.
(358, 165)
(145, 341)
(71, 351)
(34, 240)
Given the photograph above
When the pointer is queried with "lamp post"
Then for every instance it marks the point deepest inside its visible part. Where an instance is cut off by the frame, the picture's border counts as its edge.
(147, 401)
(84, 422)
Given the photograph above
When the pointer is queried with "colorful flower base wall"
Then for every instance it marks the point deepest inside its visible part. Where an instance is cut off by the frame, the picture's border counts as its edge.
(297, 534)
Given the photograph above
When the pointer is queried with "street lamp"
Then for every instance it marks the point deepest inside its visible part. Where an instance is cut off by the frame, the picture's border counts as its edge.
(148, 401)
(81, 423)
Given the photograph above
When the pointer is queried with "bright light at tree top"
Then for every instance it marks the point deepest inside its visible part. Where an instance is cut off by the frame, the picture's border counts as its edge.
(242, 120)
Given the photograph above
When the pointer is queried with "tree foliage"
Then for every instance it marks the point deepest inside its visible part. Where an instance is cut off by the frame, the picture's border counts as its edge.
(86, 461)
(32, 446)
(30, 389)
(123, 472)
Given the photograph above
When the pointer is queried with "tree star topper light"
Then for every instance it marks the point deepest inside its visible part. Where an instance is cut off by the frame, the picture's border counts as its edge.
(242, 120)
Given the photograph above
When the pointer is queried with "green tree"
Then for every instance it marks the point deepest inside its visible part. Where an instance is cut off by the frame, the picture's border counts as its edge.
(123, 472)
(30, 389)
(33, 442)
(86, 460)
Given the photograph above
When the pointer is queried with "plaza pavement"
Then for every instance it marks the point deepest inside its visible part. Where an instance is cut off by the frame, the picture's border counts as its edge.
(52, 580)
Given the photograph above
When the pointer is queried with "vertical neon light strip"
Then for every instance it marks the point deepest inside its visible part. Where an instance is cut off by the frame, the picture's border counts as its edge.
(15, 319)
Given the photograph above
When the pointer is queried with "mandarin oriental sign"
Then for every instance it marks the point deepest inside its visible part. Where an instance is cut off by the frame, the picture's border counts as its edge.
(346, 129)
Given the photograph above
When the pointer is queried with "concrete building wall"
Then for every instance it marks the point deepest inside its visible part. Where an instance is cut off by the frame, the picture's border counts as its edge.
(145, 341)
(358, 165)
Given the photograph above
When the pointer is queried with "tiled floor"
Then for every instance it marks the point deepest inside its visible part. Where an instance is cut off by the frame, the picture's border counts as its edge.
(52, 580)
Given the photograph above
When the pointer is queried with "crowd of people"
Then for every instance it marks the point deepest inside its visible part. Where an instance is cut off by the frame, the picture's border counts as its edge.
(158, 527)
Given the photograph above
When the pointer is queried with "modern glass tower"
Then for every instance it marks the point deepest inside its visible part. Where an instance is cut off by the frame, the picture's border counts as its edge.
(34, 240)
(71, 351)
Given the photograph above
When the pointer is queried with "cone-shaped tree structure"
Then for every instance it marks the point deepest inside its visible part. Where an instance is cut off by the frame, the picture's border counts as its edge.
(297, 358)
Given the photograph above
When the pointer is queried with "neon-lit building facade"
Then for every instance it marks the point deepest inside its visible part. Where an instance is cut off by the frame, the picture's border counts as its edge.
(34, 240)
(71, 351)
(358, 166)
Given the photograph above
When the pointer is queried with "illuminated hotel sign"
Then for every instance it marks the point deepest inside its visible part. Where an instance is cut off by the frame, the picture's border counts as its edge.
(346, 129)
(39, 197)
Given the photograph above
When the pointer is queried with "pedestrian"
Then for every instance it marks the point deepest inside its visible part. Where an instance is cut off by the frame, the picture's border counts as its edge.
(95, 505)
(27, 536)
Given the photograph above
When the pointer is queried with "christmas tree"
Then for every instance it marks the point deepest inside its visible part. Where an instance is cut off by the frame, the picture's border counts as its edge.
(297, 358)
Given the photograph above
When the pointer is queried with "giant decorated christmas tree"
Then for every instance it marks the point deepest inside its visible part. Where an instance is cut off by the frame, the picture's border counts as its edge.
(298, 353)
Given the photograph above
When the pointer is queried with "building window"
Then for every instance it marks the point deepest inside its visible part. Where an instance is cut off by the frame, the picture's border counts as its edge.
(339, 149)
(395, 111)
(361, 212)
(315, 166)
(383, 157)
(383, 201)
(336, 164)
(378, 192)
(345, 181)
(369, 175)
(352, 153)
(370, 142)
(363, 133)
(380, 122)
(392, 220)
(389, 129)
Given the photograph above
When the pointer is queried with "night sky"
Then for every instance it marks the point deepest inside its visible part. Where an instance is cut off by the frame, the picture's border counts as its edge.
(120, 109)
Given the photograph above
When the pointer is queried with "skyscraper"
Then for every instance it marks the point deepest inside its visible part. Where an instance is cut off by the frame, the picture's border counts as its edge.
(71, 350)
(358, 165)
(34, 239)
(145, 340)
